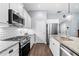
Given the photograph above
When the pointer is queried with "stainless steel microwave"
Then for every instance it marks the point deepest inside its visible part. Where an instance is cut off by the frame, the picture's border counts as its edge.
(15, 18)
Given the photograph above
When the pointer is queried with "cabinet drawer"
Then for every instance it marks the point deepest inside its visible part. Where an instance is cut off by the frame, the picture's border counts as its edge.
(10, 51)
(15, 53)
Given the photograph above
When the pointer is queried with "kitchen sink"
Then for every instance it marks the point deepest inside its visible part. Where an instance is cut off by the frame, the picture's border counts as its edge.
(65, 39)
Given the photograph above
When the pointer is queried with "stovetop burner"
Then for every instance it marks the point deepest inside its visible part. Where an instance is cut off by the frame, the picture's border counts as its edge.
(22, 39)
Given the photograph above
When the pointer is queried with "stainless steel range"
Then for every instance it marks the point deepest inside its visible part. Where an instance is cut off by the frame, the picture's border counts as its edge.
(24, 44)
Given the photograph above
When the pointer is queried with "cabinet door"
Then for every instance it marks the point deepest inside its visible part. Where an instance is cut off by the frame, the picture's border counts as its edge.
(11, 51)
(32, 40)
(55, 47)
(4, 12)
(29, 21)
(25, 18)
(18, 7)
(51, 45)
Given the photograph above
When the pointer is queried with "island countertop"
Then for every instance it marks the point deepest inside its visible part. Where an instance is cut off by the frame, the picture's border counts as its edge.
(71, 44)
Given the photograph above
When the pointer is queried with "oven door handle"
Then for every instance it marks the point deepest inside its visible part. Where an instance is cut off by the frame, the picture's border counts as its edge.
(25, 44)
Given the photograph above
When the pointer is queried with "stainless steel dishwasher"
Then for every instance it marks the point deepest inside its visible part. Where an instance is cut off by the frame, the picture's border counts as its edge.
(64, 51)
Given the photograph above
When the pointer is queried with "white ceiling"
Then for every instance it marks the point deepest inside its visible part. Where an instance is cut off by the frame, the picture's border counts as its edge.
(74, 8)
(52, 7)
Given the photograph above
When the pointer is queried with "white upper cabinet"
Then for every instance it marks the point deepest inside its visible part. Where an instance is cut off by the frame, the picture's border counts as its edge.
(18, 7)
(27, 19)
(4, 12)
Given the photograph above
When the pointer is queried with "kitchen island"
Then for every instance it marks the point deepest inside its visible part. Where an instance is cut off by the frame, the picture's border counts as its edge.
(71, 44)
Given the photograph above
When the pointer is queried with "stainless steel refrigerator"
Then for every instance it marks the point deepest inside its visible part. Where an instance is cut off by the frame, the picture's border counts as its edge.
(51, 29)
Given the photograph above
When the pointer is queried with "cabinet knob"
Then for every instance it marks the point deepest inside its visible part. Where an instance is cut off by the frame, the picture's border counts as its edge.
(53, 43)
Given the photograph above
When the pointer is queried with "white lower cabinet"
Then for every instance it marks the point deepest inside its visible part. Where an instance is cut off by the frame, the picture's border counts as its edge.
(32, 40)
(55, 47)
(13, 51)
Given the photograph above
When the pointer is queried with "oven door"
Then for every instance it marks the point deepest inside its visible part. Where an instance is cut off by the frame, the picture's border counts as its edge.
(26, 49)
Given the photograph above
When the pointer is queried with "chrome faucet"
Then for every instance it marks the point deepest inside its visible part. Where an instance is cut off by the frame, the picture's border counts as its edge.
(67, 31)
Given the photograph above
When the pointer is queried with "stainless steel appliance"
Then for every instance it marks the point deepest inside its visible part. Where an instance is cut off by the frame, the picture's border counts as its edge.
(51, 29)
(15, 18)
(64, 51)
(24, 44)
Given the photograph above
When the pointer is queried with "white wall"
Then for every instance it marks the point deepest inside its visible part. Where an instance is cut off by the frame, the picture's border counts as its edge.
(73, 26)
(39, 25)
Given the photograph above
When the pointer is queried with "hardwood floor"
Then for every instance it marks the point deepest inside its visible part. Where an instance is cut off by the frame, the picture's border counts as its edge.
(40, 49)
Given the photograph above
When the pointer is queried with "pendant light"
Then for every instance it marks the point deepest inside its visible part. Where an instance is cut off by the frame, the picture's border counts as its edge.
(69, 16)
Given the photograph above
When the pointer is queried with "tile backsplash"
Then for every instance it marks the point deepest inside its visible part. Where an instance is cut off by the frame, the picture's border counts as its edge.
(7, 32)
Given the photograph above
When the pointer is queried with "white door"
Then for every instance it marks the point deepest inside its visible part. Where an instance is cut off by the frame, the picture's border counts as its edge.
(40, 32)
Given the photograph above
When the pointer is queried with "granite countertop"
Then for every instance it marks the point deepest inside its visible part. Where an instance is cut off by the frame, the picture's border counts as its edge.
(6, 44)
(71, 44)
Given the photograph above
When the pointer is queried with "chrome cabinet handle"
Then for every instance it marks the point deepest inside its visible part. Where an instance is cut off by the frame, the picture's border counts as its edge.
(53, 43)
(10, 51)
